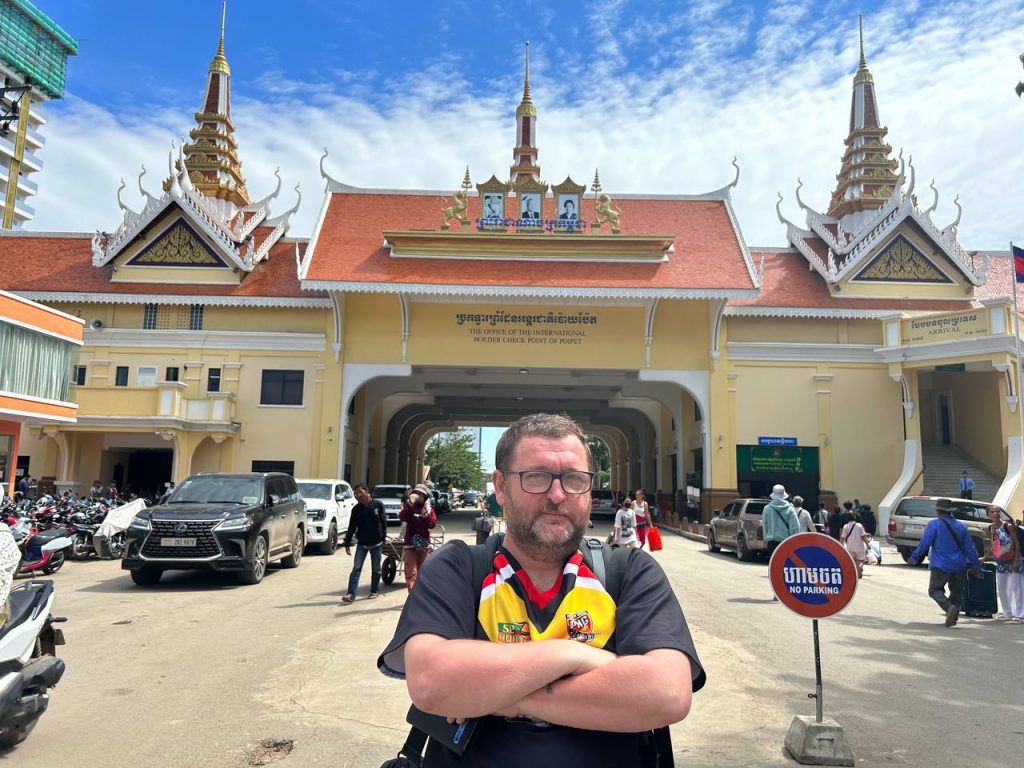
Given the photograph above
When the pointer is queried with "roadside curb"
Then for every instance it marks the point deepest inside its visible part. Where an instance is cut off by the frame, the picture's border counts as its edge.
(685, 534)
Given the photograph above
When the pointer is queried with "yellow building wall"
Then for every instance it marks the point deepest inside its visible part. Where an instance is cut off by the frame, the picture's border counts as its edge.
(867, 432)
(682, 335)
(802, 331)
(372, 329)
(775, 400)
(777, 329)
(277, 432)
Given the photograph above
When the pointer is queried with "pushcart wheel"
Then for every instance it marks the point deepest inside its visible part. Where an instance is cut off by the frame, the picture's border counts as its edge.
(388, 570)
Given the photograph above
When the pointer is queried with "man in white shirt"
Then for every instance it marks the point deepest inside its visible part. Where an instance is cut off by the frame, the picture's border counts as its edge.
(625, 526)
(803, 517)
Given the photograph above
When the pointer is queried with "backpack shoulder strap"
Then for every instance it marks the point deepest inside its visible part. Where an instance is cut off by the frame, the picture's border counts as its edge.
(482, 563)
(608, 564)
(952, 532)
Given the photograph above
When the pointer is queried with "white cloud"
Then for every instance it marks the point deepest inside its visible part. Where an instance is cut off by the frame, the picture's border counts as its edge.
(674, 129)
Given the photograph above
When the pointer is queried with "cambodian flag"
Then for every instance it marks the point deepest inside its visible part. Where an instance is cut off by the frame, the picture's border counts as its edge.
(1018, 262)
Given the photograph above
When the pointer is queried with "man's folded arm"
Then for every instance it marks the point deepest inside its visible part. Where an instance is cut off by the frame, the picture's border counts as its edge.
(470, 678)
(632, 694)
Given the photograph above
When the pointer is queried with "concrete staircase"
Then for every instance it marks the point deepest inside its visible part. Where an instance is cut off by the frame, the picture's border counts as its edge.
(942, 467)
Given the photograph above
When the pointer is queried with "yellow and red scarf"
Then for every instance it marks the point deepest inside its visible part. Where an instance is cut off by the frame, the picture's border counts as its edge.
(577, 607)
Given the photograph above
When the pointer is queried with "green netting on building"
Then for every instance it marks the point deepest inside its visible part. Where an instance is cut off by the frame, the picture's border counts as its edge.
(32, 44)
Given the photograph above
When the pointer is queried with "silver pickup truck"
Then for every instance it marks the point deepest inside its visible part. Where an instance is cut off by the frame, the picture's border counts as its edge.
(738, 527)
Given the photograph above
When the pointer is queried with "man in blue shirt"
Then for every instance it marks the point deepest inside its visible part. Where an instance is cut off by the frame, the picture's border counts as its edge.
(952, 553)
(966, 486)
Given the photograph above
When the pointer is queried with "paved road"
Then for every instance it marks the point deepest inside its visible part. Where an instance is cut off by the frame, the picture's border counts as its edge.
(199, 671)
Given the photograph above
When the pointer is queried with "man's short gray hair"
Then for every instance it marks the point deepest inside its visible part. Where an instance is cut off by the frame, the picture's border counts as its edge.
(551, 425)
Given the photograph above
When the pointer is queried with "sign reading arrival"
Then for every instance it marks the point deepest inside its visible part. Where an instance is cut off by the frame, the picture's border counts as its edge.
(959, 325)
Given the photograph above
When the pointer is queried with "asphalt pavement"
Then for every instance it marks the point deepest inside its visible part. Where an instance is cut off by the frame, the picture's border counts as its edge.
(201, 671)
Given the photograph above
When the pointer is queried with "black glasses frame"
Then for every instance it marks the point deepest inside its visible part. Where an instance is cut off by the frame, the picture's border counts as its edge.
(552, 476)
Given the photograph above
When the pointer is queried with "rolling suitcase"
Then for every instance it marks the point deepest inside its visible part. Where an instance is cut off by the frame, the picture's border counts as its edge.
(979, 598)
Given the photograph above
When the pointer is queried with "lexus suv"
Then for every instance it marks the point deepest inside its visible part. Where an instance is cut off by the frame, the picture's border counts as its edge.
(222, 523)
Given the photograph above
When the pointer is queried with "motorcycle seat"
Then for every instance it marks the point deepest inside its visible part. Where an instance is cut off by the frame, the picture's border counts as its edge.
(23, 603)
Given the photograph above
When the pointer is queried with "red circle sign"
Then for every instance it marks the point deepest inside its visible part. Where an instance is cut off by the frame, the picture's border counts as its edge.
(813, 575)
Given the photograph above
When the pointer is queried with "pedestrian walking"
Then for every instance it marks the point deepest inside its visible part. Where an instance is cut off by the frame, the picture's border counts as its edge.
(867, 518)
(624, 529)
(778, 519)
(855, 539)
(368, 523)
(821, 517)
(950, 553)
(1006, 552)
(966, 485)
(803, 517)
(419, 518)
(642, 516)
(835, 522)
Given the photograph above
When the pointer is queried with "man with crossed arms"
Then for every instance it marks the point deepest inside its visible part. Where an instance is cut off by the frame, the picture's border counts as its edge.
(567, 676)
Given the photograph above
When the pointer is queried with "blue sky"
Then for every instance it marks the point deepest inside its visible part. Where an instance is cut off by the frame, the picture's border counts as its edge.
(659, 95)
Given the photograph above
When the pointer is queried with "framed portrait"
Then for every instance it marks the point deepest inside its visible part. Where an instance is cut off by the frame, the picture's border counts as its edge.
(494, 205)
(568, 207)
(530, 206)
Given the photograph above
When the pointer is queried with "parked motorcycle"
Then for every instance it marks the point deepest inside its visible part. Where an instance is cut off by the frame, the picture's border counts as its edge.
(81, 532)
(41, 551)
(29, 666)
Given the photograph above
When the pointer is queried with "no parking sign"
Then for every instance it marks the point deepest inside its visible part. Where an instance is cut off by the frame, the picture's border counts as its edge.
(813, 575)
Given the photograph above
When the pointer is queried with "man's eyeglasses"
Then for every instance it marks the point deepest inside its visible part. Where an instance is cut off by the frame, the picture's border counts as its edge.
(539, 481)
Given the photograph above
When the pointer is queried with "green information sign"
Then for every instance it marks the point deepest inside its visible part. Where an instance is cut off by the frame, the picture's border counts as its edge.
(776, 458)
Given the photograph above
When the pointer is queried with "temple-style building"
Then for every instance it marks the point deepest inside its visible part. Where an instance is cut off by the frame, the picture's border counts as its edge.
(853, 362)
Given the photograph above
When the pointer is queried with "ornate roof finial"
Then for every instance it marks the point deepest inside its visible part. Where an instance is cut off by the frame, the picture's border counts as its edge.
(524, 153)
(526, 77)
(467, 183)
(595, 186)
(220, 62)
(863, 59)
(526, 105)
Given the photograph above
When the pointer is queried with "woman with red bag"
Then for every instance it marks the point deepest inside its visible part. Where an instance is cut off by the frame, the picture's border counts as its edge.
(642, 513)
(1006, 552)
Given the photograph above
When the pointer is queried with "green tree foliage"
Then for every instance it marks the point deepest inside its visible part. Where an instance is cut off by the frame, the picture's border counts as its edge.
(602, 461)
(453, 461)
(1020, 86)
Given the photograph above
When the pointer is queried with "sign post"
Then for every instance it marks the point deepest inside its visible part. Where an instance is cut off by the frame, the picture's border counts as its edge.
(814, 576)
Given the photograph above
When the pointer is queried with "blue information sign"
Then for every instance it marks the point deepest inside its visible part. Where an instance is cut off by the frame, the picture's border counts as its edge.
(776, 441)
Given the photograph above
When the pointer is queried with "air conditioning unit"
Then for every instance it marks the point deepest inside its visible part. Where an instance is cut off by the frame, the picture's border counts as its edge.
(96, 324)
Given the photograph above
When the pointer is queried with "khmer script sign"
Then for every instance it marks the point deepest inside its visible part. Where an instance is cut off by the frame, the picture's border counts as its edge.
(954, 325)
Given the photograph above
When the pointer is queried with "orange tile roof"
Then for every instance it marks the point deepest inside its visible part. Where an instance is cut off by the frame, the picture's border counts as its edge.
(62, 263)
(349, 247)
(788, 282)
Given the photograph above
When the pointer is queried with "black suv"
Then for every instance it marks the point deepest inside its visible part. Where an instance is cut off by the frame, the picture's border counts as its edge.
(219, 522)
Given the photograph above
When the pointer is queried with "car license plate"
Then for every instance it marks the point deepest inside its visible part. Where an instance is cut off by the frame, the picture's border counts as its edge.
(913, 528)
(165, 542)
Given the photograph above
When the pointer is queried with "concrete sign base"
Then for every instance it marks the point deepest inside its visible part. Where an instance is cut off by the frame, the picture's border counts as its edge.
(814, 743)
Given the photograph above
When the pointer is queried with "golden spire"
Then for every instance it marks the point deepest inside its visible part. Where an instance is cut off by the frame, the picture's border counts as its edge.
(863, 60)
(863, 74)
(220, 62)
(526, 105)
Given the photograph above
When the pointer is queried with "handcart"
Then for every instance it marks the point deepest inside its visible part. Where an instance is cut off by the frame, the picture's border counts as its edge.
(392, 561)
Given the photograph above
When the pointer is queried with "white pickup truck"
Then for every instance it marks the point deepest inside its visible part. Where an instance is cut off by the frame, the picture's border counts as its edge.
(328, 509)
